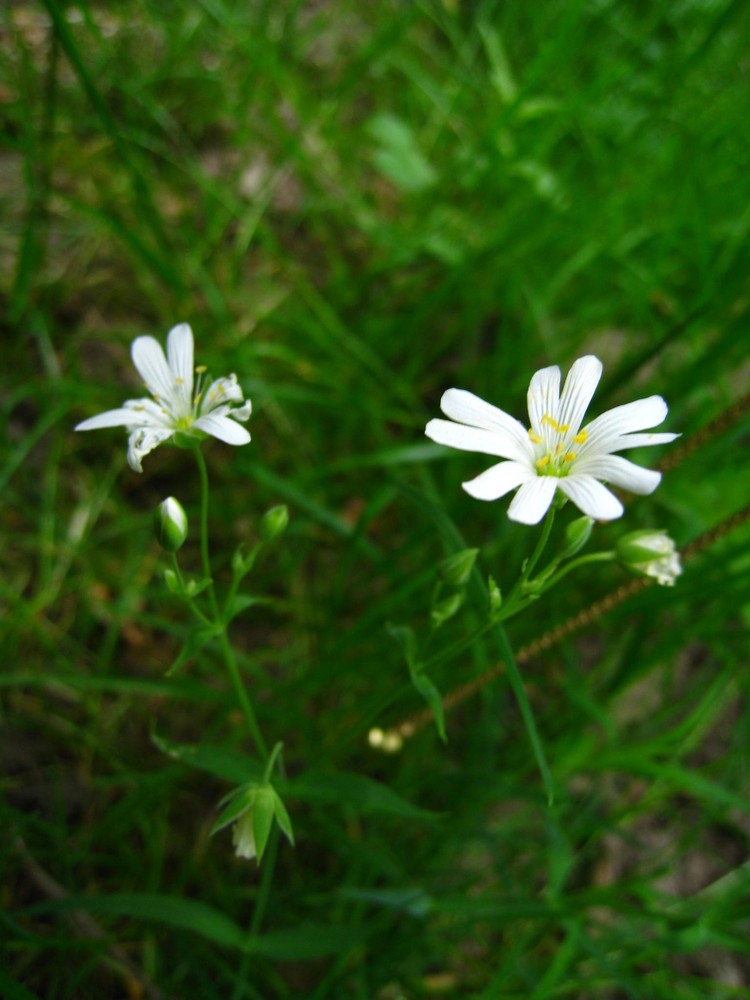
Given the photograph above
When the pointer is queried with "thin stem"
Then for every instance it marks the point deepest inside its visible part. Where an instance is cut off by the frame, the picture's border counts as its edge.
(226, 647)
(593, 557)
(188, 600)
(540, 545)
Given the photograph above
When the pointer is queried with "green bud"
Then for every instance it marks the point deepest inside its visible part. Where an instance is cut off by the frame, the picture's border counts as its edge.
(170, 524)
(496, 597)
(446, 609)
(651, 553)
(274, 523)
(577, 534)
(456, 569)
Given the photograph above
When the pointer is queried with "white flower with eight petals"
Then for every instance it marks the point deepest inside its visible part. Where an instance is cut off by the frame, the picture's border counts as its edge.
(175, 408)
(554, 452)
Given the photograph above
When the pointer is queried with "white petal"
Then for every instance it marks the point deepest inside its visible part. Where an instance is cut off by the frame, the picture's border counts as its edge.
(180, 360)
(149, 412)
(148, 358)
(223, 428)
(466, 408)
(591, 497)
(110, 418)
(180, 351)
(642, 440)
(242, 412)
(580, 386)
(610, 426)
(497, 481)
(221, 392)
(532, 501)
(496, 442)
(620, 472)
(543, 398)
(144, 440)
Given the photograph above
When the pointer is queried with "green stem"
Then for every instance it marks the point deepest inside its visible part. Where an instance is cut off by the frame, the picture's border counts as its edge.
(226, 647)
(593, 557)
(540, 545)
(188, 600)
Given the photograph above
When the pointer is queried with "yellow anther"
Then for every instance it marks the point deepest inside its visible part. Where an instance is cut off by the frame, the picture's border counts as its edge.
(199, 369)
(560, 428)
(542, 462)
(178, 380)
(536, 438)
(581, 437)
(559, 450)
(569, 457)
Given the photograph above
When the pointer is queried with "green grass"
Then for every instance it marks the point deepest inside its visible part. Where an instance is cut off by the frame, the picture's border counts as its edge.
(357, 206)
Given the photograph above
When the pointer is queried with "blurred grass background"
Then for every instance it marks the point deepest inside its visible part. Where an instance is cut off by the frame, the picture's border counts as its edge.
(357, 206)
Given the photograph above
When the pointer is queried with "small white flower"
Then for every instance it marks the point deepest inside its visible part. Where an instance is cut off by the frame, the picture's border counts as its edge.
(651, 553)
(176, 408)
(554, 452)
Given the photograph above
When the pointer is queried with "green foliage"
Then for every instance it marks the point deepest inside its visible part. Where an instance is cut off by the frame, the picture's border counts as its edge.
(358, 206)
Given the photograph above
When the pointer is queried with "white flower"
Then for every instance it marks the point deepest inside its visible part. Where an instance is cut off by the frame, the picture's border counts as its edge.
(555, 452)
(175, 408)
(652, 553)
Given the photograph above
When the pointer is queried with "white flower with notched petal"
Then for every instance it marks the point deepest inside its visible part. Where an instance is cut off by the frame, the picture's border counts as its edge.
(175, 408)
(555, 451)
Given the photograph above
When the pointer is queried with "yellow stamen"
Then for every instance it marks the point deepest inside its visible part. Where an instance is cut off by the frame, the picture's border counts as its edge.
(542, 462)
(199, 369)
(536, 438)
(581, 437)
(569, 457)
(559, 450)
(178, 380)
(560, 428)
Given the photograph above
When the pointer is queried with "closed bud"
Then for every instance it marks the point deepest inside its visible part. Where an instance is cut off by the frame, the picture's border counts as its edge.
(577, 534)
(456, 569)
(170, 524)
(651, 553)
(274, 523)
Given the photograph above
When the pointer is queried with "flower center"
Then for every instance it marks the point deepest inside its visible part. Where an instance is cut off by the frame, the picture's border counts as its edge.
(557, 456)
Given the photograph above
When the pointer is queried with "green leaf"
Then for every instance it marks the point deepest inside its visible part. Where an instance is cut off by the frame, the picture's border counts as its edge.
(398, 155)
(282, 817)
(241, 602)
(187, 914)
(446, 609)
(195, 587)
(496, 597)
(11, 989)
(307, 941)
(262, 816)
(431, 695)
(415, 902)
(228, 764)
(407, 640)
(456, 569)
(239, 801)
(353, 791)
(198, 638)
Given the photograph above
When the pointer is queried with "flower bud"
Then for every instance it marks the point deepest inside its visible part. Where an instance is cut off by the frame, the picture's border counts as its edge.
(651, 553)
(455, 570)
(274, 523)
(577, 534)
(170, 524)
